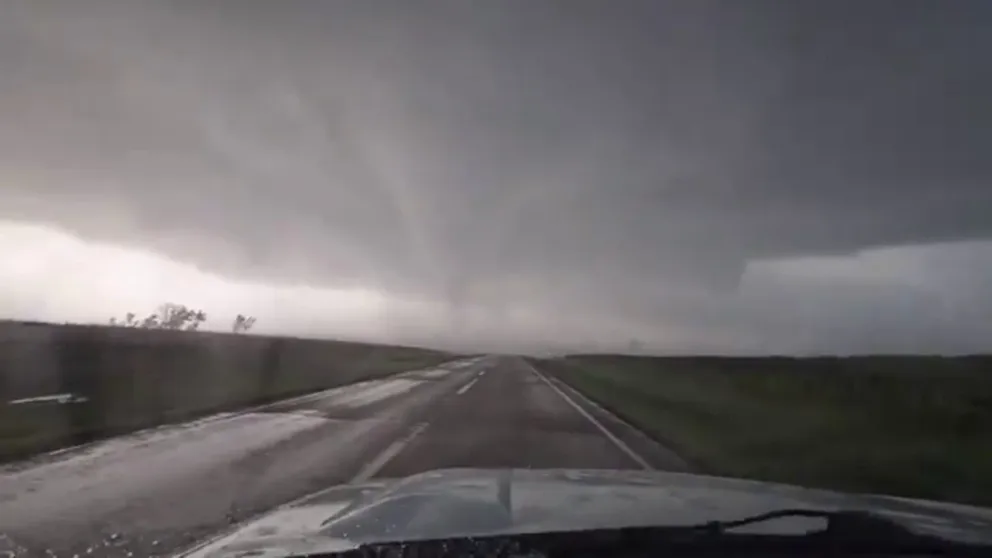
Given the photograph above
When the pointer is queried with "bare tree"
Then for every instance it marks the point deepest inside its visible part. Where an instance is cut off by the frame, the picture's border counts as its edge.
(169, 316)
(172, 315)
(151, 322)
(242, 323)
(179, 317)
(194, 318)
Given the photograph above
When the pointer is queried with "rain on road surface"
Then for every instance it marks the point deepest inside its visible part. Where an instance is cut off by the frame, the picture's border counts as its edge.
(156, 492)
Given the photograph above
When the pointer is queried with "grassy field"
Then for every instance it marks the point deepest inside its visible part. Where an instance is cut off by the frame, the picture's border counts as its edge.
(910, 426)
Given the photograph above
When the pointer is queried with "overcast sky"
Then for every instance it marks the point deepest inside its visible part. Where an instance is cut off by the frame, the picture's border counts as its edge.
(737, 176)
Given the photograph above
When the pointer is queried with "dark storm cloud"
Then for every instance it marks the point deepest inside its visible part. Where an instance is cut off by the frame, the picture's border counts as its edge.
(602, 155)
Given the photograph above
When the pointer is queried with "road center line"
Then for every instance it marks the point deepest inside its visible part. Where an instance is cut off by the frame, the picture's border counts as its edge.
(609, 435)
(464, 388)
(391, 451)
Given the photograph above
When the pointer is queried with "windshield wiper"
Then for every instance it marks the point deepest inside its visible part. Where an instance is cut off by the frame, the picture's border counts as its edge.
(846, 532)
(842, 523)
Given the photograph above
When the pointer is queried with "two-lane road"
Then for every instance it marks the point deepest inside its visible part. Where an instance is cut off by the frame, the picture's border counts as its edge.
(154, 492)
(506, 416)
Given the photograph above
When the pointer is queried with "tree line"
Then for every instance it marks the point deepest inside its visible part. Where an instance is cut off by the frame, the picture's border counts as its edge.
(178, 317)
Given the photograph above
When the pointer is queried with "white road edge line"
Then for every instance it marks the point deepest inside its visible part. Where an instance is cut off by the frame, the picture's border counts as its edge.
(464, 388)
(577, 395)
(609, 435)
(391, 451)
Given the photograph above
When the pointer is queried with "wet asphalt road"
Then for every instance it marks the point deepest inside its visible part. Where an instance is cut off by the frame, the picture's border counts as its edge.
(156, 492)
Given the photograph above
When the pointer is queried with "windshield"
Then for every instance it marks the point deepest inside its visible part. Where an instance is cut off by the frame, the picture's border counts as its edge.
(271, 261)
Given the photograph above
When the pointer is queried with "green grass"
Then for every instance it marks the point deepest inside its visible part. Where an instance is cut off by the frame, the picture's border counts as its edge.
(909, 426)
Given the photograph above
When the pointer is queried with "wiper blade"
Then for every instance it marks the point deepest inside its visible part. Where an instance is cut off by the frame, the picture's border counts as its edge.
(840, 523)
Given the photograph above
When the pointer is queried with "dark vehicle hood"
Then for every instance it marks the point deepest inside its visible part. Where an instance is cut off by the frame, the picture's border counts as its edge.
(475, 502)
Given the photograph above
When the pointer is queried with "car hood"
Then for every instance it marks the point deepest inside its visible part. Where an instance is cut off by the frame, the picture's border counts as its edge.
(476, 502)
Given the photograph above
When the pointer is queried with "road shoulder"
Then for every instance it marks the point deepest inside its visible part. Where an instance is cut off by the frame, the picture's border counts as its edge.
(649, 451)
